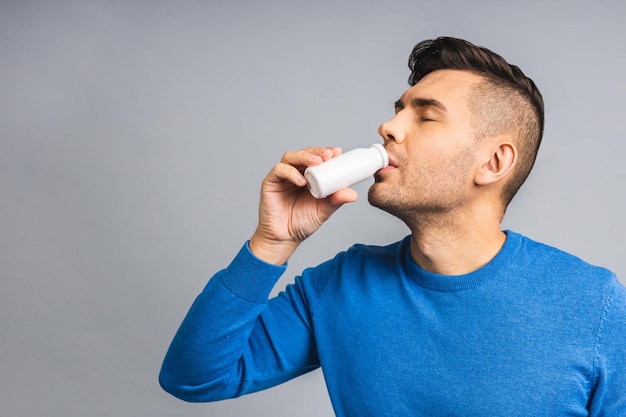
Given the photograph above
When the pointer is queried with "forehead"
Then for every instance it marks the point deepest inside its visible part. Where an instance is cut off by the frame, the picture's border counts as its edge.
(450, 87)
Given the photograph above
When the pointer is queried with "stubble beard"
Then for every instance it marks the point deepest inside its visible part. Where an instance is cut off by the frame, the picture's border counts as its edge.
(421, 205)
(419, 216)
(397, 200)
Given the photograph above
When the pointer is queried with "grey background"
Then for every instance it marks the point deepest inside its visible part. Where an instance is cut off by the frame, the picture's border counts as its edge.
(134, 137)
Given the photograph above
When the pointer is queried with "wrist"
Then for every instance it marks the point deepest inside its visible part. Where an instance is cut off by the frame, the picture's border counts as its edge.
(272, 251)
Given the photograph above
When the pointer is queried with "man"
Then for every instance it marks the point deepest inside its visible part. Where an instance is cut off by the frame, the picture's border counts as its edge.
(458, 319)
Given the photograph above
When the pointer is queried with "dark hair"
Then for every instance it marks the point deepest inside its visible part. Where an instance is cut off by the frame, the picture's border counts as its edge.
(507, 87)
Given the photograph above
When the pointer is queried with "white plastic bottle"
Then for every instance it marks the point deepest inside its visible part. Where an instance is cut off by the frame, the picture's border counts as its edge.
(345, 170)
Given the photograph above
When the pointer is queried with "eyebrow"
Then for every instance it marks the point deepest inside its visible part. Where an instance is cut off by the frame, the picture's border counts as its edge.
(422, 102)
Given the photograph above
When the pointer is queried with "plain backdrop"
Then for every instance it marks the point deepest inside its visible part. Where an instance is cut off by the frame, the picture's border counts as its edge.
(134, 136)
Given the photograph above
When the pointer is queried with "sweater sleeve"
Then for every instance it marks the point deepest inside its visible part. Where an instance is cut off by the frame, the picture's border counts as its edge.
(234, 341)
(609, 396)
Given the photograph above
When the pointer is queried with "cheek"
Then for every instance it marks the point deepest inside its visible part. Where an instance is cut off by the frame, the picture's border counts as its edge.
(439, 156)
(441, 171)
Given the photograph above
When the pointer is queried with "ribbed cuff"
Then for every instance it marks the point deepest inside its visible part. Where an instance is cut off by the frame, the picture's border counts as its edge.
(251, 278)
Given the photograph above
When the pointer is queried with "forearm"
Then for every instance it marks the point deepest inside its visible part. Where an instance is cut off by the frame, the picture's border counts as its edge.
(205, 351)
(231, 342)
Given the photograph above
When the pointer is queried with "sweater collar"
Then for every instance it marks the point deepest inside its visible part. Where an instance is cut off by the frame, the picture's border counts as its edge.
(439, 282)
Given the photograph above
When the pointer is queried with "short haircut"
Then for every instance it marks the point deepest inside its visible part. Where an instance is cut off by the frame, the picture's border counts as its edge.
(507, 100)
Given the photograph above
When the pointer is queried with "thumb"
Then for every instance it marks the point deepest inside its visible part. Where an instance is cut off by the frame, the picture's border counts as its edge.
(334, 201)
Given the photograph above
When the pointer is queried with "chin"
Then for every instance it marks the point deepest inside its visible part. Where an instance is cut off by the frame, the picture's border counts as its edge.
(377, 197)
(390, 201)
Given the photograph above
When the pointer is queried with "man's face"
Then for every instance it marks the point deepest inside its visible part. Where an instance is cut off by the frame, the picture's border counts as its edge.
(432, 148)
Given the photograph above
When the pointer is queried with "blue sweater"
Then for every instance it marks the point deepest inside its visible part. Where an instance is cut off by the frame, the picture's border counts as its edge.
(536, 332)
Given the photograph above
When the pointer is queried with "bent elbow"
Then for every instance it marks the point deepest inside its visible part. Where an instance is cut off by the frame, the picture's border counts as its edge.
(206, 392)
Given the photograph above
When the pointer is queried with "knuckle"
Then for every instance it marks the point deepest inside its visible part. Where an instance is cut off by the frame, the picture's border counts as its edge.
(287, 156)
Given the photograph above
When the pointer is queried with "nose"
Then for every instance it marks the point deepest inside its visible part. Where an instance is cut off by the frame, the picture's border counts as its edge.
(392, 130)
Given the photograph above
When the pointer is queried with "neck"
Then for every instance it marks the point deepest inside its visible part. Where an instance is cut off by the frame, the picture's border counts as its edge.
(455, 244)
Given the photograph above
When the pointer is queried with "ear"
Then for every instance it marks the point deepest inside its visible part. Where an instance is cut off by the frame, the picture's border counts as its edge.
(502, 157)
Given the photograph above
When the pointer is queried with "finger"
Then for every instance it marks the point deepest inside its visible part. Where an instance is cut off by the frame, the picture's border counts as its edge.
(343, 196)
(329, 152)
(286, 172)
(335, 201)
(336, 150)
(310, 156)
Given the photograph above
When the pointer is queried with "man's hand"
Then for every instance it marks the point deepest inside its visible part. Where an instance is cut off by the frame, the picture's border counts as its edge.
(288, 213)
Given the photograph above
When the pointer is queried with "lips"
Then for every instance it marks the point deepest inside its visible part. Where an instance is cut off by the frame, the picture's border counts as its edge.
(392, 160)
(392, 166)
